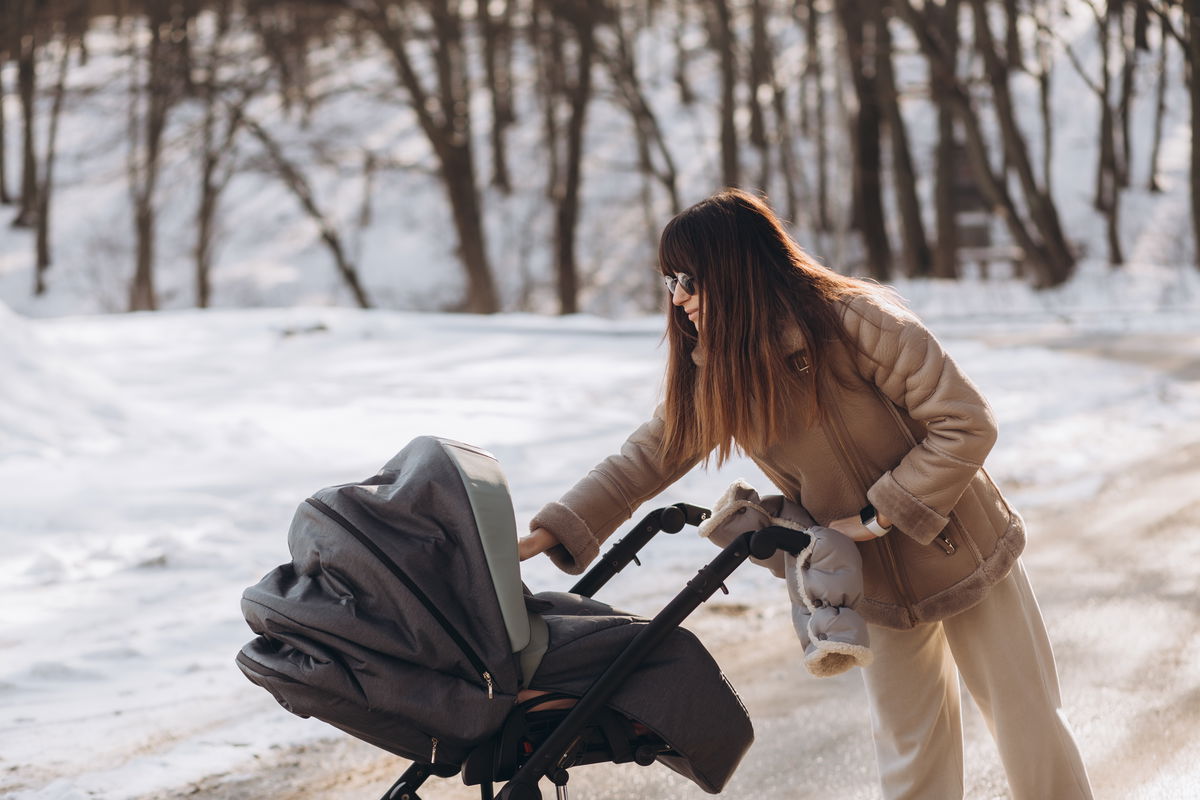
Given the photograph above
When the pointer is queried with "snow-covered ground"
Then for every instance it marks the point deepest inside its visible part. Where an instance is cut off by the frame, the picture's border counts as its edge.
(150, 465)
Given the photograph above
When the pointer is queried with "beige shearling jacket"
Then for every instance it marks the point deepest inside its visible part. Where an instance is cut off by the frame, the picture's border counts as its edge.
(904, 429)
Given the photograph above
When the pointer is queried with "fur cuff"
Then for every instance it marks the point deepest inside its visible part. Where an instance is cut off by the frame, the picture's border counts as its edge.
(738, 496)
(904, 510)
(825, 658)
(577, 546)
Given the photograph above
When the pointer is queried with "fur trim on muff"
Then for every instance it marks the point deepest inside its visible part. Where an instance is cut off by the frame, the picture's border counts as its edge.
(825, 582)
(735, 500)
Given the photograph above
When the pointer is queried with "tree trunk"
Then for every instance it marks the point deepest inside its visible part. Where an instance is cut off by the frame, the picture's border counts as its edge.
(942, 63)
(1160, 108)
(815, 66)
(1129, 56)
(1192, 20)
(683, 58)
(1045, 65)
(915, 254)
(5, 197)
(42, 246)
(721, 39)
(578, 96)
(1059, 262)
(149, 105)
(445, 118)
(1106, 151)
(497, 33)
(945, 256)
(865, 138)
(760, 80)
(26, 80)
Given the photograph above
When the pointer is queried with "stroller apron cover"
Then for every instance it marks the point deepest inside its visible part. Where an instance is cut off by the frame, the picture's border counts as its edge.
(402, 620)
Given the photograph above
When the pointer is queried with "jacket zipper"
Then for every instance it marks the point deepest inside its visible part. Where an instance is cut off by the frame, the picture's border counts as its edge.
(433, 610)
(942, 539)
(850, 465)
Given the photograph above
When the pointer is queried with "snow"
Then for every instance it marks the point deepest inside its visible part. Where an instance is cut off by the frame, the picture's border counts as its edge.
(157, 475)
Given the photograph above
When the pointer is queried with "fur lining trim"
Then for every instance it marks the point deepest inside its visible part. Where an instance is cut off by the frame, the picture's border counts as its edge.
(577, 545)
(904, 510)
(726, 506)
(959, 597)
(801, 559)
(833, 658)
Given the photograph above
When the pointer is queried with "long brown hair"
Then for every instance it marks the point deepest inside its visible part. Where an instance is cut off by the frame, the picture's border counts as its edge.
(755, 283)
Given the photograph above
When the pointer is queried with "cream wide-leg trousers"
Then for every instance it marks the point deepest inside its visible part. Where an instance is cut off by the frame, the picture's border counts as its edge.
(1001, 650)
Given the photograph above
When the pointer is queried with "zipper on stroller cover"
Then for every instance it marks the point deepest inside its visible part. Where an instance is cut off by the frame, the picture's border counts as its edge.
(429, 605)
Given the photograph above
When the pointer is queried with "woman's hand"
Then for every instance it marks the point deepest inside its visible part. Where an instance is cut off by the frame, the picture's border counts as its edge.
(539, 541)
(852, 527)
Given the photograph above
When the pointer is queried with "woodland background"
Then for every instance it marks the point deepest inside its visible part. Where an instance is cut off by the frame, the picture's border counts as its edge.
(523, 154)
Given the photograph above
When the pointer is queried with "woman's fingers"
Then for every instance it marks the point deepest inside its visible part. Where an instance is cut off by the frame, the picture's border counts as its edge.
(539, 541)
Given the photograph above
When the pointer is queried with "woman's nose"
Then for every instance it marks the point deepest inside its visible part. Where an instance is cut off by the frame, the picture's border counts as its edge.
(679, 296)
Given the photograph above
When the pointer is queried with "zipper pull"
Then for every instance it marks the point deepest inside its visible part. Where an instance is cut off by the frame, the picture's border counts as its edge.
(433, 753)
(487, 677)
(947, 546)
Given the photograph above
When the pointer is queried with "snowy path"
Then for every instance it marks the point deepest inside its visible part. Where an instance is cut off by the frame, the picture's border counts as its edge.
(150, 465)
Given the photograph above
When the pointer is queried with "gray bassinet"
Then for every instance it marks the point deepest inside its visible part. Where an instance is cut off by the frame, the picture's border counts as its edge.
(401, 619)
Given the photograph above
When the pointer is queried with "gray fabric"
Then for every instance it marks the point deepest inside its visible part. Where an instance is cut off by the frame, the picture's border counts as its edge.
(539, 640)
(343, 639)
(679, 691)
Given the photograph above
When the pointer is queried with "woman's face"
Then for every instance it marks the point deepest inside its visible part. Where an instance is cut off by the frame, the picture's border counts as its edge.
(688, 301)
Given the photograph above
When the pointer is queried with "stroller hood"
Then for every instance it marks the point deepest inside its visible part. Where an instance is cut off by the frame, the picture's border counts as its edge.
(385, 622)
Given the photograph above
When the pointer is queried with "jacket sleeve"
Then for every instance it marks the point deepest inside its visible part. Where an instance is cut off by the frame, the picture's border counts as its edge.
(901, 357)
(607, 496)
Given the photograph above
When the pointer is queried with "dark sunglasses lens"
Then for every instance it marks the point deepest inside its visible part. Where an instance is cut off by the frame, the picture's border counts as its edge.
(680, 279)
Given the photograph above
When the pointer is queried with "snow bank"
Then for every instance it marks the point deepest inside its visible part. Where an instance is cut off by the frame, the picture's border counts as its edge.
(51, 405)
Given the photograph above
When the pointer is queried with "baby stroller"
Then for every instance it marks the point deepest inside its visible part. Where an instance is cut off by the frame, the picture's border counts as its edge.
(402, 620)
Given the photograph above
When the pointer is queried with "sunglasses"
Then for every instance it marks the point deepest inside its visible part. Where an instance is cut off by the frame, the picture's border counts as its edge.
(680, 279)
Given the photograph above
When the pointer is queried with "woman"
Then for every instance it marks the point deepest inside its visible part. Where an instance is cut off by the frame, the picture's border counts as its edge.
(850, 407)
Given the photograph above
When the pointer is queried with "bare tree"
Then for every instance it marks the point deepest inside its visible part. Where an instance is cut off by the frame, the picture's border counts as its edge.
(813, 110)
(861, 35)
(944, 19)
(156, 87)
(25, 31)
(1160, 103)
(1107, 195)
(293, 178)
(444, 114)
(1052, 264)
(564, 26)
(722, 40)
(496, 28)
(46, 184)
(617, 54)
(916, 256)
(224, 99)
(6, 14)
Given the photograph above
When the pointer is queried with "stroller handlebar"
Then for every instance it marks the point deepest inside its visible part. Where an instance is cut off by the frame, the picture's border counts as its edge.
(669, 519)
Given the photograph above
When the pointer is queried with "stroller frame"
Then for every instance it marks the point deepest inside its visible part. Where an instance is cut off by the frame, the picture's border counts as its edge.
(558, 751)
